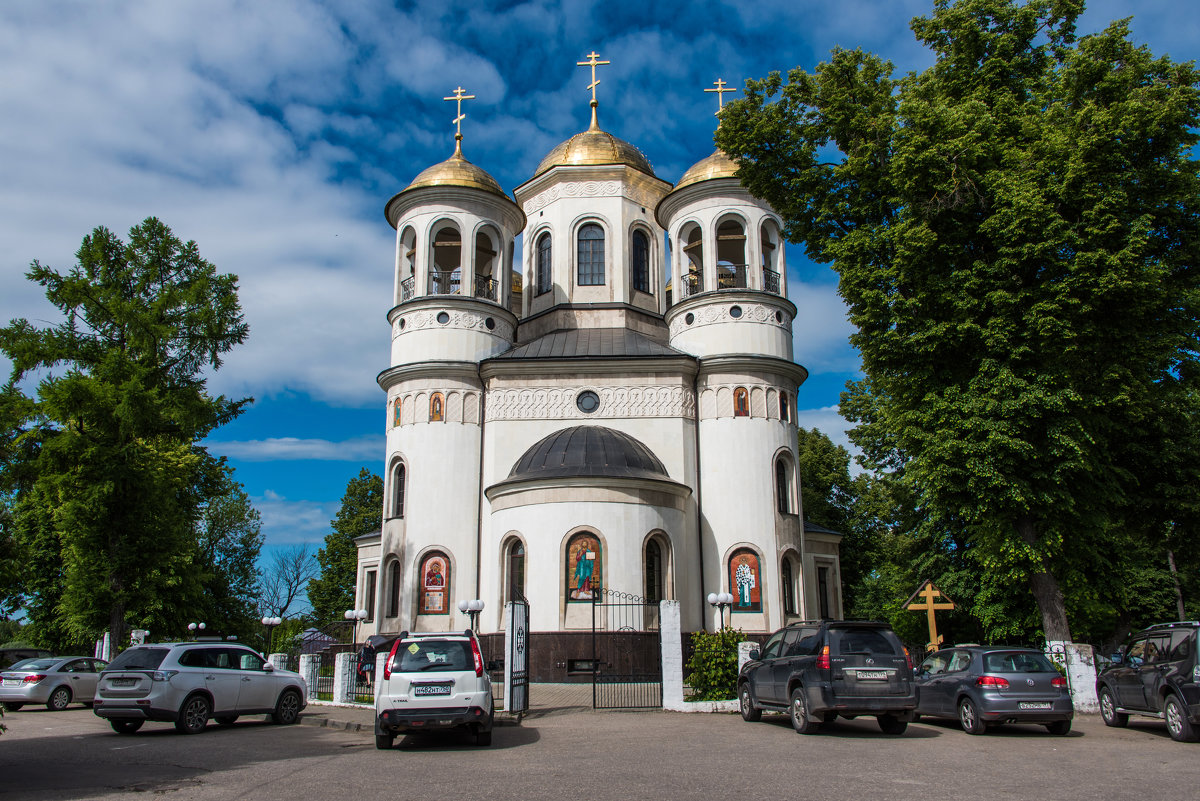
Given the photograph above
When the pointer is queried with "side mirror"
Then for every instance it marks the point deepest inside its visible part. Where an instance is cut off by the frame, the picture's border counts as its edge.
(755, 654)
(268, 667)
(1118, 658)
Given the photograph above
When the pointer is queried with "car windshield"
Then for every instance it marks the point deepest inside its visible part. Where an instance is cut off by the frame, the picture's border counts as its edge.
(433, 656)
(139, 659)
(35, 664)
(1017, 662)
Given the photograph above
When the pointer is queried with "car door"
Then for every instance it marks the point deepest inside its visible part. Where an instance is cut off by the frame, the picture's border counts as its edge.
(1157, 662)
(781, 668)
(762, 677)
(931, 684)
(257, 691)
(1126, 678)
(221, 680)
(83, 679)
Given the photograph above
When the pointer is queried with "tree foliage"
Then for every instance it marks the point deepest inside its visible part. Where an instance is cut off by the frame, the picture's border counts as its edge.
(361, 512)
(105, 472)
(1015, 234)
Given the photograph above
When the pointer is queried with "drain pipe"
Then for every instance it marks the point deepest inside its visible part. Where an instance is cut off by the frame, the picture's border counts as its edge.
(699, 505)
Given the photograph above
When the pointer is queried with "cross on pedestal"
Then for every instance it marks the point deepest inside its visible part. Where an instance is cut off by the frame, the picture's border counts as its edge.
(929, 602)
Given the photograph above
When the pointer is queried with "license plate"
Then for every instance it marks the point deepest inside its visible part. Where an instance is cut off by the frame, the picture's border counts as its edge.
(874, 675)
(1032, 705)
(431, 689)
(11, 683)
(124, 682)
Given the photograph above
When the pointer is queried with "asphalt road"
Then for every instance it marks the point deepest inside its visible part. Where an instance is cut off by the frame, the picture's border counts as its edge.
(592, 756)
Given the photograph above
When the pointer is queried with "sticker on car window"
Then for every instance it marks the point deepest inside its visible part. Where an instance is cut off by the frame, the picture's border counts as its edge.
(412, 649)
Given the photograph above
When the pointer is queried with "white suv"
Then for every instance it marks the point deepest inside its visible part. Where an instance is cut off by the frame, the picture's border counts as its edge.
(186, 683)
(434, 681)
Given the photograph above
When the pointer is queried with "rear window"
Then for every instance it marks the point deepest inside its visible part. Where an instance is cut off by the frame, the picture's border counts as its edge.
(35, 664)
(1017, 662)
(139, 659)
(433, 656)
(866, 641)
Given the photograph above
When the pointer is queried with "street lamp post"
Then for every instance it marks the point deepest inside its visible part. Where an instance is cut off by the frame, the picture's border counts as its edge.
(720, 600)
(472, 608)
(270, 623)
(196, 629)
(355, 615)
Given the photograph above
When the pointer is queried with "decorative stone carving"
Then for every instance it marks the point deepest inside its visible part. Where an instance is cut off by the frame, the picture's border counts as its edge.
(461, 407)
(558, 403)
(588, 189)
(716, 401)
(718, 312)
(462, 319)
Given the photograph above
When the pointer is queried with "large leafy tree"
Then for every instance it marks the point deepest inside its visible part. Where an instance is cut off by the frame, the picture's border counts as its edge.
(332, 592)
(228, 542)
(1016, 232)
(107, 473)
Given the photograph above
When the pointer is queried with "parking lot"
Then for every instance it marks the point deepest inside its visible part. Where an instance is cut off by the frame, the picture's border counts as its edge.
(562, 753)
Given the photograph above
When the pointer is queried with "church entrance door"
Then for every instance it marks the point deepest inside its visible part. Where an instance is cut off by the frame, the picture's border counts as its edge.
(516, 661)
(626, 652)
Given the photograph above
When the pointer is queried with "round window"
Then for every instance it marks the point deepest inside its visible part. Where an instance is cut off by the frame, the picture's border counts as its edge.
(779, 317)
(490, 323)
(401, 323)
(587, 401)
(735, 312)
(443, 318)
(690, 318)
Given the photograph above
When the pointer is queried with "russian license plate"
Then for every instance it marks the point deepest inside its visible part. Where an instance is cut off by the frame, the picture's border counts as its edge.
(874, 675)
(1033, 705)
(124, 682)
(10, 683)
(431, 689)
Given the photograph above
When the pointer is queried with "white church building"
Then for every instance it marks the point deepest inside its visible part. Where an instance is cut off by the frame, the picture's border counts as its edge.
(611, 408)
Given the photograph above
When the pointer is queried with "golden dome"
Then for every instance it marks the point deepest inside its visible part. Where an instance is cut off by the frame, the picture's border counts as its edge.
(457, 171)
(595, 146)
(718, 165)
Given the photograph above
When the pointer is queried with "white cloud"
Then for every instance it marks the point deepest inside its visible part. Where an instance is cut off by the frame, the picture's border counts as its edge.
(293, 449)
(821, 330)
(287, 522)
(829, 421)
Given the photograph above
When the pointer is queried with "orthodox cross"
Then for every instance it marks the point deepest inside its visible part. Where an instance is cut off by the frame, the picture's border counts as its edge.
(459, 97)
(593, 62)
(929, 596)
(720, 90)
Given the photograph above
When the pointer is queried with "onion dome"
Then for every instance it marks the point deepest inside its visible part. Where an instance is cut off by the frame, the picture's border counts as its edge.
(718, 165)
(457, 171)
(588, 451)
(595, 146)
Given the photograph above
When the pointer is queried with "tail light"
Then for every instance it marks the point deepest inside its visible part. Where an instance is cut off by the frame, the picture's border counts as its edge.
(823, 659)
(387, 666)
(1058, 681)
(998, 682)
(478, 657)
(907, 659)
(34, 679)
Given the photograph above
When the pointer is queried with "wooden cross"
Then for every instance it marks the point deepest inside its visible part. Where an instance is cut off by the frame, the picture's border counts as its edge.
(460, 97)
(720, 90)
(929, 595)
(593, 63)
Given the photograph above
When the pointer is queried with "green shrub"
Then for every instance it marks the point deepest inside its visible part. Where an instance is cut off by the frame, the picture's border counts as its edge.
(713, 668)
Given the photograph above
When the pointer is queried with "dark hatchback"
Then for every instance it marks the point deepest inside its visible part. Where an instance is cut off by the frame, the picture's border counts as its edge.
(985, 686)
(818, 671)
(1156, 675)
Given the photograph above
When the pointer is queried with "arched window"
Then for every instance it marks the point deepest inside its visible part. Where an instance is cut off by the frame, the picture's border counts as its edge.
(654, 572)
(544, 282)
(408, 261)
(640, 263)
(786, 583)
(731, 255)
(591, 255)
(393, 609)
(693, 251)
(399, 474)
(435, 585)
(741, 402)
(437, 408)
(745, 581)
(514, 569)
(783, 486)
(396, 412)
(447, 263)
(583, 567)
(485, 261)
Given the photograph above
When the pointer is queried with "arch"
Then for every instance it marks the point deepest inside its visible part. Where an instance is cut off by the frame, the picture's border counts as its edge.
(446, 265)
(789, 571)
(393, 587)
(745, 580)
(758, 403)
(691, 243)
(589, 257)
(731, 253)
(772, 255)
(639, 261)
(399, 486)
(437, 408)
(514, 561)
(656, 567)
(408, 414)
(433, 576)
(724, 401)
(487, 263)
(785, 407)
(583, 566)
(785, 472)
(454, 407)
(406, 264)
(772, 403)
(545, 263)
(741, 402)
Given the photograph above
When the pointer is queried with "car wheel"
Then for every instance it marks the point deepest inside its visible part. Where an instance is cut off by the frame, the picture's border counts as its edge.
(1108, 709)
(12, 706)
(890, 724)
(287, 709)
(1178, 725)
(59, 699)
(798, 712)
(1059, 727)
(746, 704)
(226, 720)
(125, 726)
(193, 715)
(968, 716)
(384, 741)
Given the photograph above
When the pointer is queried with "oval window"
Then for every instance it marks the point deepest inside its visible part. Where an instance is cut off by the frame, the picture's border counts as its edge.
(735, 312)
(587, 401)
(690, 318)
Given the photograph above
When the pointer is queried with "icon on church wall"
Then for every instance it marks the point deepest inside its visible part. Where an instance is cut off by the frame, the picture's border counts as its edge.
(396, 413)
(741, 402)
(436, 405)
(743, 578)
(583, 568)
(434, 581)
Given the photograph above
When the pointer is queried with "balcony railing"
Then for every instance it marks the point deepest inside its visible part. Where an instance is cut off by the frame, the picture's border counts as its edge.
(408, 288)
(444, 283)
(486, 287)
(731, 276)
(771, 281)
(691, 284)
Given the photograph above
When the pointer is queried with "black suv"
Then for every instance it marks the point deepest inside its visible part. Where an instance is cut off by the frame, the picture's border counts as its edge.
(1155, 675)
(819, 670)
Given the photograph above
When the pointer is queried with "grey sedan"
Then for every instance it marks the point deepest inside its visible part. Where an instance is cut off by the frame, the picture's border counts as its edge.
(985, 686)
(54, 681)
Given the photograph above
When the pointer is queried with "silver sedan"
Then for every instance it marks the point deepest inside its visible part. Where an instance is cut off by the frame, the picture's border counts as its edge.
(54, 681)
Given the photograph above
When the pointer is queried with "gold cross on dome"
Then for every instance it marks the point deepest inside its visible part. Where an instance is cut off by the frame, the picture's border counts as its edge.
(593, 63)
(720, 90)
(460, 97)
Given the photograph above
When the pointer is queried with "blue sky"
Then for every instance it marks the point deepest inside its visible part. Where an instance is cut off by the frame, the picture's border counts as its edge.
(272, 133)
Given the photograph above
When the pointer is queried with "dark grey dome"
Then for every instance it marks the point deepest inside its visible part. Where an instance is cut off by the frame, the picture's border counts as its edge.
(588, 451)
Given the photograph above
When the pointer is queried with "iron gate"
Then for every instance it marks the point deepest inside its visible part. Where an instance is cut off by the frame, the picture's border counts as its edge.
(626, 652)
(516, 693)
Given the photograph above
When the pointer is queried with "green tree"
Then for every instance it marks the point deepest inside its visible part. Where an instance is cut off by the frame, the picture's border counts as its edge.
(228, 542)
(1015, 233)
(108, 474)
(361, 512)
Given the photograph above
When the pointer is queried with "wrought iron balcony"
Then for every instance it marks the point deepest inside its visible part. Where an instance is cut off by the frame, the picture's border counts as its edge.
(731, 276)
(486, 287)
(444, 283)
(771, 281)
(408, 288)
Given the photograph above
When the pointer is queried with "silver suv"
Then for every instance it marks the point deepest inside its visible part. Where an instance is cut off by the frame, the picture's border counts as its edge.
(187, 683)
(434, 681)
